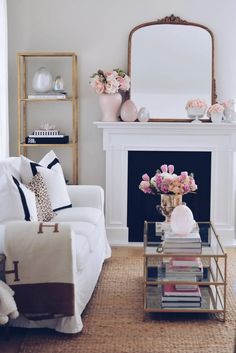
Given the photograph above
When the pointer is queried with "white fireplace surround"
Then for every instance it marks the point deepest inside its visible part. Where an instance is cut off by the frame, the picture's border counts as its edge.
(219, 139)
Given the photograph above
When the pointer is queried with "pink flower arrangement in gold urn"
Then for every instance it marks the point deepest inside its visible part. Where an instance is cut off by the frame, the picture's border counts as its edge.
(165, 181)
(110, 82)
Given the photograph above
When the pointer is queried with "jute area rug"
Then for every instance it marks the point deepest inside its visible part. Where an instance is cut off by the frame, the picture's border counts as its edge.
(114, 322)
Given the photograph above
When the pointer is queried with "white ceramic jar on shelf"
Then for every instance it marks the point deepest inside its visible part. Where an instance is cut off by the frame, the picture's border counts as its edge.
(42, 81)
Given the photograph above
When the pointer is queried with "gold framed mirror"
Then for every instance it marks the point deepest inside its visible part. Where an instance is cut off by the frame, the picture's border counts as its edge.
(170, 61)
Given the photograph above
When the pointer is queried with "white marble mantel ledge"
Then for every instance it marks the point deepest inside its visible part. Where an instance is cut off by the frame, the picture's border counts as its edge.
(219, 139)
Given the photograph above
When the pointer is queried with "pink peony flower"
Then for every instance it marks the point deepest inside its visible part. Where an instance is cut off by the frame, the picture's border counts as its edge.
(97, 85)
(171, 168)
(111, 87)
(164, 189)
(145, 177)
(110, 82)
(183, 175)
(145, 187)
(124, 83)
(164, 168)
(196, 103)
(216, 108)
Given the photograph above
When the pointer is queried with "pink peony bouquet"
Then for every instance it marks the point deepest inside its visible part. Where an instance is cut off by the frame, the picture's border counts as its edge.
(216, 108)
(166, 182)
(229, 104)
(196, 103)
(110, 82)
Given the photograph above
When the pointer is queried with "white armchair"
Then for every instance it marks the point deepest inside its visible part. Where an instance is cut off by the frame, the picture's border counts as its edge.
(86, 218)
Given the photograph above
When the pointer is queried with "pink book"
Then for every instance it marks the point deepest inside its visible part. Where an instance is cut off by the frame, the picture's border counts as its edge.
(179, 269)
(186, 261)
(170, 290)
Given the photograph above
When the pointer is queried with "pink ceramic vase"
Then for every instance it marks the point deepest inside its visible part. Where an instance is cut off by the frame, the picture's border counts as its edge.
(128, 111)
(110, 106)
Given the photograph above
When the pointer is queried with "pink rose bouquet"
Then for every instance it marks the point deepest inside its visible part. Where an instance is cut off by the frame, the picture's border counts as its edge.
(166, 182)
(110, 82)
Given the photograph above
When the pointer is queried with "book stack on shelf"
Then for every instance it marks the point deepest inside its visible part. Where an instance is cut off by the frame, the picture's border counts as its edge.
(46, 136)
(173, 297)
(189, 269)
(187, 244)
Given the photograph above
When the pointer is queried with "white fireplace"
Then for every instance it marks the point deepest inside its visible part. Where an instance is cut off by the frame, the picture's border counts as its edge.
(219, 139)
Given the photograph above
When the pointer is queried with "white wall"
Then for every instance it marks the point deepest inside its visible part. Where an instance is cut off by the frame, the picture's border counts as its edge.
(98, 32)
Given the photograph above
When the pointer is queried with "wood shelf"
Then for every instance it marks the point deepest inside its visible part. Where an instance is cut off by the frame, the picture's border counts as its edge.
(48, 144)
(46, 99)
(24, 60)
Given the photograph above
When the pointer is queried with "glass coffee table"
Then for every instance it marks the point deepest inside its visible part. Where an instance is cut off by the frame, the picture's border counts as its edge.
(184, 281)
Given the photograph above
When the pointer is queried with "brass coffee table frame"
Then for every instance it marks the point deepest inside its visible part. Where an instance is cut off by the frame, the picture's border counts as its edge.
(213, 285)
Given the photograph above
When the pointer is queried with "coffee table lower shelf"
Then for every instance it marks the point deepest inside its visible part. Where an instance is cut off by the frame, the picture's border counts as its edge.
(211, 301)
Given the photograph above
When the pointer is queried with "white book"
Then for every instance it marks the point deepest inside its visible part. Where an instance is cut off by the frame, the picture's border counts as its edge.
(173, 237)
(181, 305)
(182, 245)
(191, 278)
(43, 136)
(183, 276)
(180, 299)
(46, 132)
(187, 287)
(47, 96)
(183, 251)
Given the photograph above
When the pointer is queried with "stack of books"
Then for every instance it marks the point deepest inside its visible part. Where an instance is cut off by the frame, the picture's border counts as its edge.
(180, 298)
(187, 244)
(186, 268)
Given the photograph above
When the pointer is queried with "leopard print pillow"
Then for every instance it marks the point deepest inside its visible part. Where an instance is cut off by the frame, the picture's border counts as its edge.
(43, 203)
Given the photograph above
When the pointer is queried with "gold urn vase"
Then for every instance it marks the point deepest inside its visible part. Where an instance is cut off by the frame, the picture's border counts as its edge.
(168, 203)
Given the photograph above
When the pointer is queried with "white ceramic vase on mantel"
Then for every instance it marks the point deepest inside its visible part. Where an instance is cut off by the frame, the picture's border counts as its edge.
(110, 106)
(216, 117)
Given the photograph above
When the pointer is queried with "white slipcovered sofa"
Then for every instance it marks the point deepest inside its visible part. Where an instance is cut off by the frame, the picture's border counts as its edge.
(86, 217)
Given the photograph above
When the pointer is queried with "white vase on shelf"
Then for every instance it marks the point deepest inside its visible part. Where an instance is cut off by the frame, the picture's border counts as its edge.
(110, 106)
(42, 81)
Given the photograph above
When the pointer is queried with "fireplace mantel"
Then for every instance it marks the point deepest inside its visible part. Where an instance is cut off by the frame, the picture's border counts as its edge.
(219, 139)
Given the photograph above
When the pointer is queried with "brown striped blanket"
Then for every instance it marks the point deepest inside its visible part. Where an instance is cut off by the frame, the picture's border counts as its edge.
(40, 269)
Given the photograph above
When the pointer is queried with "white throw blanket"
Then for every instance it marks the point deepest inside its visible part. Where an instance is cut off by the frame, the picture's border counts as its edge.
(40, 268)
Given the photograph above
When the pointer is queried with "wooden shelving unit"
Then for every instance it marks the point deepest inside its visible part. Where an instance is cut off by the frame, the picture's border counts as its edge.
(23, 59)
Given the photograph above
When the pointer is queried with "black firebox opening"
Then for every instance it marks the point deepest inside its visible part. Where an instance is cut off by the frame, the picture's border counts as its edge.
(143, 206)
